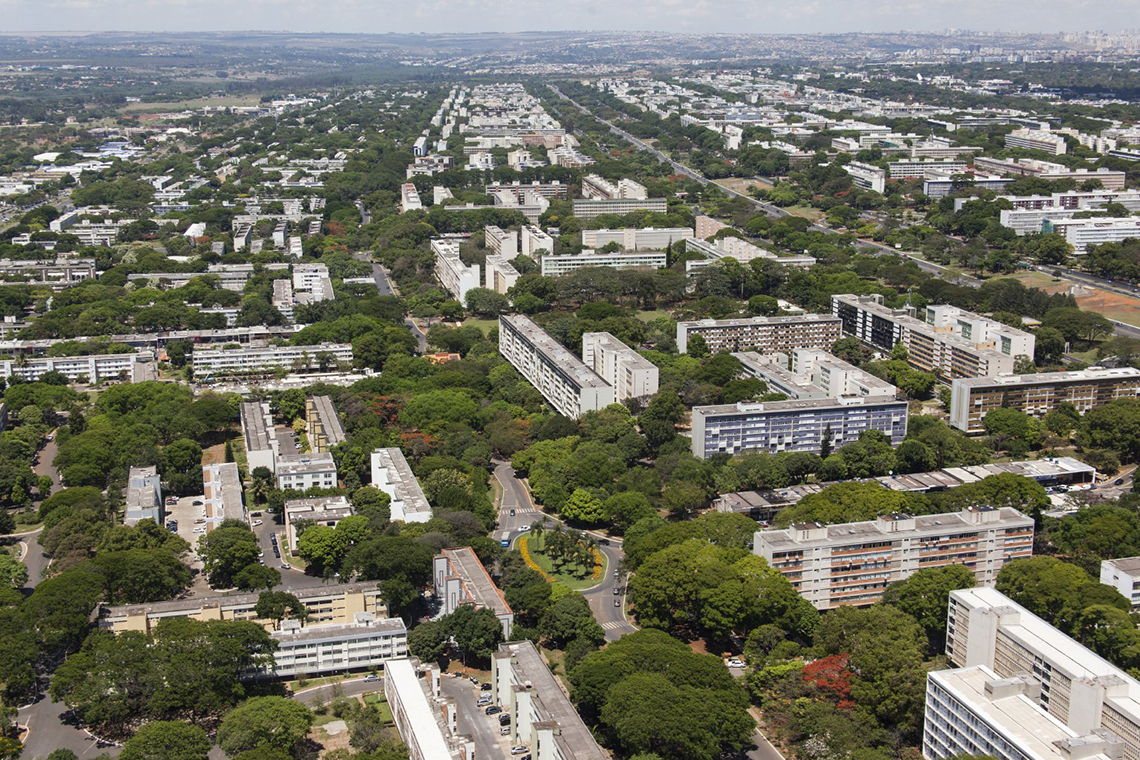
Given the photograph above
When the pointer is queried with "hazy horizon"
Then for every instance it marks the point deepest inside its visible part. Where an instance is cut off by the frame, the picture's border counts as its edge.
(474, 16)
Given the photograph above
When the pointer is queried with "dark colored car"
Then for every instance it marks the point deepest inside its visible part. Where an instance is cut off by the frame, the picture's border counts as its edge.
(493, 710)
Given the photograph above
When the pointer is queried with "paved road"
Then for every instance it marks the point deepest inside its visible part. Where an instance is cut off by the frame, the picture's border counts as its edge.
(385, 287)
(350, 688)
(50, 729)
(472, 722)
(1119, 288)
(601, 597)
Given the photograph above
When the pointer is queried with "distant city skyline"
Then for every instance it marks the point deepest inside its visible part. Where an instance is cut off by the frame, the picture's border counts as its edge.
(693, 16)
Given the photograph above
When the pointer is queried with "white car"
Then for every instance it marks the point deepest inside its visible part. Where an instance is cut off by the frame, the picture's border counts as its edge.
(519, 749)
(524, 528)
(257, 522)
(199, 530)
(736, 663)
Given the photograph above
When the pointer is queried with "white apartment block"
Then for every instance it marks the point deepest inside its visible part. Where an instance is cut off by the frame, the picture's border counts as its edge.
(80, 369)
(532, 240)
(144, 496)
(591, 208)
(59, 274)
(499, 274)
(1082, 233)
(911, 168)
(409, 198)
(266, 359)
(553, 266)
(1124, 576)
(941, 184)
(392, 475)
(1030, 221)
(973, 712)
(459, 578)
(501, 242)
(257, 432)
(632, 239)
(425, 719)
(456, 277)
(1036, 139)
(222, 494)
(867, 176)
(630, 374)
(542, 716)
(811, 373)
(794, 425)
(853, 563)
(243, 234)
(1048, 170)
(300, 472)
(1070, 683)
(949, 342)
(739, 249)
(765, 335)
(368, 642)
(597, 187)
(564, 381)
(307, 276)
(1074, 199)
(321, 510)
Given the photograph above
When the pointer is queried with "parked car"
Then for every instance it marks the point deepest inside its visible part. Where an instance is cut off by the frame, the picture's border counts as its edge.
(257, 522)
(504, 720)
(1118, 482)
(617, 590)
(255, 514)
(485, 687)
(285, 565)
(200, 530)
(736, 663)
(519, 749)
(493, 710)
(617, 602)
(197, 504)
(483, 701)
(371, 677)
(473, 680)
(504, 731)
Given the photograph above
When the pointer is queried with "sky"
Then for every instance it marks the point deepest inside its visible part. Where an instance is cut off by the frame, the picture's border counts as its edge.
(755, 16)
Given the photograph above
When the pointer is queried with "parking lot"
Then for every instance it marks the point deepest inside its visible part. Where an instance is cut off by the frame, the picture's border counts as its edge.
(185, 512)
(473, 720)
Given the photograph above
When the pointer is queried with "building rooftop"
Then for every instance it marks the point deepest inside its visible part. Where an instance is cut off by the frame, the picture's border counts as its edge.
(554, 351)
(632, 359)
(466, 565)
(1128, 565)
(222, 487)
(334, 432)
(793, 319)
(314, 634)
(319, 508)
(292, 464)
(792, 405)
(400, 474)
(232, 601)
(421, 720)
(253, 426)
(965, 520)
(1074, 376)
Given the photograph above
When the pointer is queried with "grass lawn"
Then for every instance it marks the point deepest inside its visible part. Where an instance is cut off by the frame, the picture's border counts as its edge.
(534, 544)
(181, 105)
(649, 316)
(807, 212)
(484, 325)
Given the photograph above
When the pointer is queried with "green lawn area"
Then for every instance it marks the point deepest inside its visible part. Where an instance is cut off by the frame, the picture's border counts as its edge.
(182, 105)
(807, 212)
(484, 325)
(534, 545)
(381, 705)
(649, 316)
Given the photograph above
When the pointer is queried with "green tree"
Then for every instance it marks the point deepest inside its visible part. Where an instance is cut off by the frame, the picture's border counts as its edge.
(925, 597)
(584, 507)
(225, 552)
(13, 572)
(278, 605)
(429, 641)
(1054, 590)
(273, 722)
(167, 740)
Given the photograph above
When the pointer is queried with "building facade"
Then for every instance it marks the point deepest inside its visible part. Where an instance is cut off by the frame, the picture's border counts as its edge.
(635, 239)
(765, 335)
(322, 426)
(587, 208)
(460, 579)
(301, 472)
(392, 475)
(144, 495)
(630, 374)
(553, 266)
(1123, 575)
(425, 719)
(456, 277)
(320, 510)
(214, 363)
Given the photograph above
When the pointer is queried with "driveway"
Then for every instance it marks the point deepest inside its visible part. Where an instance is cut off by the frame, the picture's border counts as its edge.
(473, 722)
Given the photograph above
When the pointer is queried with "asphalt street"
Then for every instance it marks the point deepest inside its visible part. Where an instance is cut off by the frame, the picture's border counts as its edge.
(473, 722)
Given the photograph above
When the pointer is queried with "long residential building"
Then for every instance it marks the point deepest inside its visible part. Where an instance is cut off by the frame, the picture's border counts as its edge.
(460, 579)
(853, 563)
(812, 373)
(542, 716)
(739, 249)
(500, 241)
(532, 241)
(60, 273)
(1082, 233)
(971, 398)
(366, 643)
(590, 208)
(322, 426)
(553, 266)
(594, 186)
(319, 510)
(223, 495)
(1067, 681)
(634, 239)
(499, 274)
(765, 335)
(144, 495)
(392, 475)
(261, 444)
(1036, 139)
(94, 368)
(456, 277)
(796, 425)
(266, 359)
(564, 381)
(300, 472)
(426, 720)
(630, 373)
(950, 342)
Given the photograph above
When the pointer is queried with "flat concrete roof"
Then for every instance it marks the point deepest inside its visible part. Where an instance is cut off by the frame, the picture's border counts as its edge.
(470, 570)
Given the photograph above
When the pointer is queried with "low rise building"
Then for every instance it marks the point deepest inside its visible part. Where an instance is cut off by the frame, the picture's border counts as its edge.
(499, 274)
(591, 208)
(630, 374)
(971, 398)
(853, 563)
(426, 721)
(301, 472)
(542, 716)
(553, 266)
(95, 368)
(533, 242)
(222, 494)
(260, 360)
(1050, 171)
(257, 432)
(763, 334)
(144, 496)
(321, 510)
(460, 578)
(366, 643)
(564, 381)
(635, 239)
(1123, 575)
(322, 426)
(392, 475)
(456, 277)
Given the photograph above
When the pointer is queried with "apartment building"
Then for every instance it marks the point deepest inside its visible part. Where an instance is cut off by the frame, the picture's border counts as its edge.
(1123, 575)
(564, 381)
(501, 242)
(949, 342)
(322, 426)
(553, 190)
(794, 425)
(1028, 167)
(456, 277)
(630, 374)
(257, 433)
(425, 719)
(553, 266)
(853, 563)
(1037, 139)
(60, 273)
(499, 274)
(95, 368)
(542, 716)
(867, 176)
(301, 472)
(144, 496)
(321, 510)
(1082, 233)
(460, 578)
(532, 240)
(222, 494)
(633, 239)
(705, 227)
(409, 198)
(808, 373)
(591, 208)
(1074, 199)
(366, 643)
(971, 398)
(258, 360)
(739, 249)
(228, 279)
(596, 187)
(1070, 683)
(972, 712)
(392, 475)
(766, 335)
(243, 236)
(911, 168)
(940, 184)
